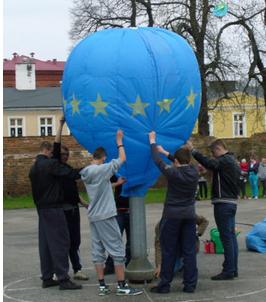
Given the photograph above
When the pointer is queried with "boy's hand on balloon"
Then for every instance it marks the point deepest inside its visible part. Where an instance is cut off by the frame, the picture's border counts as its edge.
(152, 137)
(160, 149)
(119, 137)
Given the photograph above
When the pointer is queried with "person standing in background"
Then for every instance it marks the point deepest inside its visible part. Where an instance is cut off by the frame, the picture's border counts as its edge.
(253, 167)
(262, 176)
(243, 177)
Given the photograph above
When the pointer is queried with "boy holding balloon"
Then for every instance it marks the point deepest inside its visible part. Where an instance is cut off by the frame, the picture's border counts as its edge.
(178, 223)
(105, 232)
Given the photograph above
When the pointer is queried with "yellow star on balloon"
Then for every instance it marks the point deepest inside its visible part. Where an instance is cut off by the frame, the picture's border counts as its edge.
(138, 107)
(165, 104)
(75, 105)
(191, 99)
(99, 106)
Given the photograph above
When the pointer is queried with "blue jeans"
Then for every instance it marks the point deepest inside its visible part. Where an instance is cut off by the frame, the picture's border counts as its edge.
(224, 214)
(253, 179)
(178, 235)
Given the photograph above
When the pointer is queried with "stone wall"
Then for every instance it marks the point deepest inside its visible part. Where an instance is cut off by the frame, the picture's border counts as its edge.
(19, 154)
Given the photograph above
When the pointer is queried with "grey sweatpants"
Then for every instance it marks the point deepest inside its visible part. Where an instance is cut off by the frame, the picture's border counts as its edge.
(106, 237)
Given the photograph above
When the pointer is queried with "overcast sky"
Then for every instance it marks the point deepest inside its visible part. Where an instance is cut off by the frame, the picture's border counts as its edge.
(39, 26)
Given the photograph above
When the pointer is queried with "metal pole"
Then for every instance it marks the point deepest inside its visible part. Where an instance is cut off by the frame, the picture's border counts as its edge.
(139, 267)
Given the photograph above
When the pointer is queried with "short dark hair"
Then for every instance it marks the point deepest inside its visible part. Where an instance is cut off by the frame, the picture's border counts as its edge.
(46, 146)
(218, 143)
(99, 153)
(183, 155)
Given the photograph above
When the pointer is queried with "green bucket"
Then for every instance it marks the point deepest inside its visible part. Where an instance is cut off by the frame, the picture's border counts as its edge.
(215, 237)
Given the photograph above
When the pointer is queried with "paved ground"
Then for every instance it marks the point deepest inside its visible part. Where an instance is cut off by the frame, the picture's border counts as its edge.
(21, 263)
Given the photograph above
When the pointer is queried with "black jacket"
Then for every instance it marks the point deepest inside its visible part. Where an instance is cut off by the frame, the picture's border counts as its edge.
(225, 179)
(181, 189)
(69, 185)
(253, 168)
(45, 181)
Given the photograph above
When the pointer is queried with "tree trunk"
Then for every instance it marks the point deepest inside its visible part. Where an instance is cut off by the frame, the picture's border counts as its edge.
(203, 125)
(264, 89)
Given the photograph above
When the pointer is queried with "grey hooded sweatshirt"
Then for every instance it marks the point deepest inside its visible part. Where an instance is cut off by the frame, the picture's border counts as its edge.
(262, 171)
(96, 179)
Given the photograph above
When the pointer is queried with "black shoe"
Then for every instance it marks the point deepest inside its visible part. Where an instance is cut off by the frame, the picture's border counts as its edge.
(236, 274)
(68, 284)
(49, 283)
(223, 276)
(159, 290)
(187, 289)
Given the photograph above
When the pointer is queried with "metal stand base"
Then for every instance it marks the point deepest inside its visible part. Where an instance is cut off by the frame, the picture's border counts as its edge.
(139, 270)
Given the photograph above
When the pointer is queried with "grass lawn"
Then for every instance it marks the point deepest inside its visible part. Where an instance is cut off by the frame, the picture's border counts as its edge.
(154, 195)
(20, 202)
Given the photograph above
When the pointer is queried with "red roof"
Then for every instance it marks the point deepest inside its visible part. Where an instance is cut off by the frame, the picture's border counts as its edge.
(39, 65)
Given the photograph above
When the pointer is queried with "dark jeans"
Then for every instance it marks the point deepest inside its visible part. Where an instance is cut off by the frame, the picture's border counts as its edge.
(123, 222)
(53, 243)
(203, 188)
(175, 235)
(224, 214)
(73, 223)
(242, 183)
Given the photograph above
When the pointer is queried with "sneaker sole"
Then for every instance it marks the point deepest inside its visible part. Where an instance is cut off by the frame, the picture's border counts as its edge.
(124, 294)
(104, 294)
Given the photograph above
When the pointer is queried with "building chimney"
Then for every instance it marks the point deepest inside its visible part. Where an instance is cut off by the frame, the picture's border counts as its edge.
(25, 75)
(54, 61)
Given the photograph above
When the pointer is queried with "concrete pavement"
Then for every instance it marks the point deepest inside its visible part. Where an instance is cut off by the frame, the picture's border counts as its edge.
(21, 262)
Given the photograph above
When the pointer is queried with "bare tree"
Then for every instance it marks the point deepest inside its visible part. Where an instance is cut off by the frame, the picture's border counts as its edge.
(249, 23)
(190, 18)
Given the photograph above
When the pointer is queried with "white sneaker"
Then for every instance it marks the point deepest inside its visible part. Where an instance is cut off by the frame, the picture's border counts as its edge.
(127, 291)
(80, 276)
(104, 290)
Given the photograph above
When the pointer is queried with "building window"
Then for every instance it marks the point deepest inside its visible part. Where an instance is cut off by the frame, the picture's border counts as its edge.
(46, 126)
(210, 122)
(16, 127)
(239, 124)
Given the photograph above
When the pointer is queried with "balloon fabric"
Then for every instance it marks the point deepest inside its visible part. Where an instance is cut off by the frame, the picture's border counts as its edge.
(256, 237)
(136, 79)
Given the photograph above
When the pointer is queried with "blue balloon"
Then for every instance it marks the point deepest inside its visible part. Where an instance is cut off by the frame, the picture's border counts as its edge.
(136, 79)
